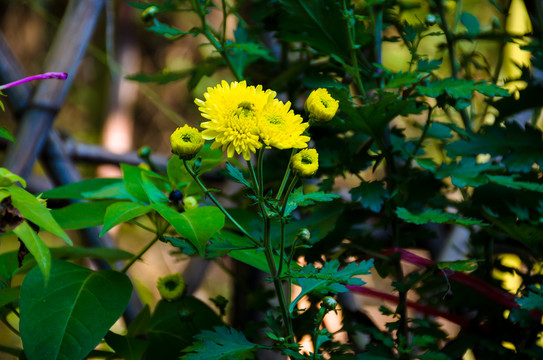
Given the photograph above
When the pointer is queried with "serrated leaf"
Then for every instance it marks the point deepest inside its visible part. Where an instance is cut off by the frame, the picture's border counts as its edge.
(120, 212)
(4, 132)
(221, 343)
(32, 209)
(318, 23)
(73, 310)
(370, 195)
(298, 198)
(236, 174)
(466, 172)
(533, 300)
(425, 65)
(509, 181)
(329, 278)
(402, 79)
(435, 216)
(460, 88)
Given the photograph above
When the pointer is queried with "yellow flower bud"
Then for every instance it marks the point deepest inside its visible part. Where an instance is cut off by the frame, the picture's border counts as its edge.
(190, 203)
(321, 106)
(305, 163)
(186, 142)
(171, 287)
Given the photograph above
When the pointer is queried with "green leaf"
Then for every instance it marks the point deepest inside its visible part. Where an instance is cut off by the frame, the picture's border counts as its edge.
(459, 265)
(141, 323)
(471, 23)
(221, 343)
(36, 246)
(170, 32)
(466, 172)
(197, 225)
(72, 311)
(433, 355)
(8, 266)
(460, 88)
(236, 174)
(318, 23)
(8, 295)
(329, 278)
(76, 190)
(32, 209)
(122, 211)
(168, 334)
(435, 216)
(298, 198)
(74, 253)
(509, 181)
(151, 185)
(163, 77)
(129, 348)
(403, 79)
(370, 195)
(81, 215)
(4, 133)
(7, 178)
(133, 181)
(533, 300)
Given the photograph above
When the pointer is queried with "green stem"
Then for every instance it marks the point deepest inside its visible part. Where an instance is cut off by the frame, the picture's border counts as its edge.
(139, 224)
(352, 50)
(285, 178)
(256, 184)
(213, 40)
(217, 204)
(424, 131)
(287, 194)
(139, 254)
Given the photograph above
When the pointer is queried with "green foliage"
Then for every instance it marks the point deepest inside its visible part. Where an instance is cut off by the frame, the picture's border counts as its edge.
(298, 198)
(328, 278)
(435, 216)
(371, 195)
(85, 304)
(221, 343)
(533, 300)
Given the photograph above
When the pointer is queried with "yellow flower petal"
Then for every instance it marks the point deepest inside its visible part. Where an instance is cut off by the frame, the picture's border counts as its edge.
(186, 142)
(305, 163)
(321, 106)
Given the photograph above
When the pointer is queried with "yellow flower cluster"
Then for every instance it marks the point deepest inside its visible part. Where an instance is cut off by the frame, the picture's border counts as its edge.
(242, 119)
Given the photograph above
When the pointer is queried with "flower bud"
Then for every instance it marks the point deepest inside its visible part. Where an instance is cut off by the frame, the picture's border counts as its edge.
(329, 303)
(144, 152)
(149, 13)
(321, 106)
(186, 142)
(190, 202)
(303, 235)
(305, 163)
(171, 287)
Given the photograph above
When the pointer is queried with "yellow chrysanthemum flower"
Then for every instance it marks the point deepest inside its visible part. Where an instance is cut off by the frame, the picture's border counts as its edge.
(305, 163)
(279, 127)
(321, 106)
(232, 111)
(186, 142)
(171, 287)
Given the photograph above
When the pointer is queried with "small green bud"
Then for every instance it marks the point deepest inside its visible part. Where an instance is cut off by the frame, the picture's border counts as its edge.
(329, 303)
(149, 13)
(144, 152)
(171, 287)
(304, 234)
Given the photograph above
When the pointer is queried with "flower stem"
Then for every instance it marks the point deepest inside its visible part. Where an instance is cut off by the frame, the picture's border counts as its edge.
(49, 75)
(217, 204)
(285, 178)
(139, 254)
